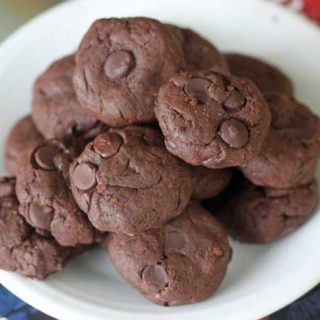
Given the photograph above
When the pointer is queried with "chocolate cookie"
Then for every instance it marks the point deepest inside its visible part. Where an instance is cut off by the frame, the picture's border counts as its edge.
(182, 262)
(199, 53)
(56, 111)
(126, 181)
(290, 153)
(21, 137)
(45, 199)
(212, 118)
(208, 183)
(120, 66)
(21, 249)
(260, 215)
(266, 77)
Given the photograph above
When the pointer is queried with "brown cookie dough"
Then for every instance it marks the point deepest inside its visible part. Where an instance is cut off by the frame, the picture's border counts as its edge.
(212, 118)
(56, 111)
(120, 66)
(182, 262)
(208, 183)
(21, 249)
(266, 77)
(126, 181)
(199, 53)
(290, 153)
(260, 215)
(46, 201)
(21, 137)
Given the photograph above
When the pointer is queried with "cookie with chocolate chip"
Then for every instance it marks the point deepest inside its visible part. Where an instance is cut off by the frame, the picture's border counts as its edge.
(184, 261)
(56, 111)
(260, 215)
(267, 77)
(199, 53)
(46, 201)
(21, 249)
(126, 181)
(22, 136)
(208, 183)
(212, 118)
(120, 66)
(291, 150)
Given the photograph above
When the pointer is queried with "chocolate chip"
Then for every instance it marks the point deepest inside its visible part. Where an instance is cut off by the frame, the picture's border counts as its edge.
(119, 64)
(155, 276)
(40, 216)
(234, 133)
(198, 88)
(235, 100)
(174, 242)
(84, 176)
(107, 144)
(44, 157)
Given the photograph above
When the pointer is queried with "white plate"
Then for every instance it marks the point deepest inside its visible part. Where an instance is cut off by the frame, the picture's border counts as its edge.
(261, 279)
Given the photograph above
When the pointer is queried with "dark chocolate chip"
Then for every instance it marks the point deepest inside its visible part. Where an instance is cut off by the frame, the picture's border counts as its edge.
(235, 101)
(119, 64)
(40, 216)
(44, 157)
(107, 144)
(84, 176)
(198, 88)
(155, 276)
(174, 242)
(234, 133)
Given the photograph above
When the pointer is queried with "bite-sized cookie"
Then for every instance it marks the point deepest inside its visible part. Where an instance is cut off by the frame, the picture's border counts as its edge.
(126, 181)
(120, 66)
(266, 76)
(56, 111)
(260, 215)
(46, 201)
(22, 136)
(290, 153)
(199, 53)
(212, 118)
(182, 262)
(208, 183)
(21, 249)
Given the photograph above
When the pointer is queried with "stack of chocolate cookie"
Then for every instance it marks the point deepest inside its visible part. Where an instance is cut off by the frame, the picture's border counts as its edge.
(129, 141)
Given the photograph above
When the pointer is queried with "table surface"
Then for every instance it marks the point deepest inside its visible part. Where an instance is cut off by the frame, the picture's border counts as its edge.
(14, 13)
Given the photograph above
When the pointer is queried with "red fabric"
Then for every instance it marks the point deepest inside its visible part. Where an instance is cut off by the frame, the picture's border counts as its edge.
(311, 8)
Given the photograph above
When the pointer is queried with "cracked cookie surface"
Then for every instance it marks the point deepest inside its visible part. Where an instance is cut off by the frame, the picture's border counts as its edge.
(265, 76)
(120, 66)
(184, 261)
(260, 215)
(291, 150)
(21, 137)
(45, 197)
(212, 118)
(21, 249)
(56, 111)
(126, 181)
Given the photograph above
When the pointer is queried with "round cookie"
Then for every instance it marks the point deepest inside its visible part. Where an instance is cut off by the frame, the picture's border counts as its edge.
(21, 137)
(260, 215)
(290, 153)
(266, 77)
(208, 183)
(127, 182)
(120, 66)
(199, 53)
(21, 249)
(212, 118)
(182, 262)
(56, 111)
(46, 201)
